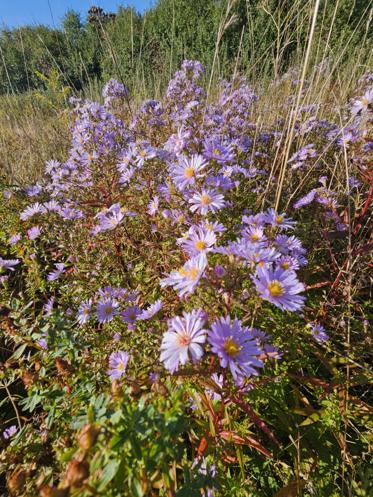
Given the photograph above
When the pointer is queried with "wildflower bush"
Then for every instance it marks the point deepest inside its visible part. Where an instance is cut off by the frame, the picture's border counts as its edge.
(182, 313)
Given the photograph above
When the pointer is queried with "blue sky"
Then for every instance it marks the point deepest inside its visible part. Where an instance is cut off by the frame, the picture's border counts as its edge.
(20, 12)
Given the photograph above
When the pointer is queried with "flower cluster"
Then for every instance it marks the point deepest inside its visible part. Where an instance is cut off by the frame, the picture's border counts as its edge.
(163, 193)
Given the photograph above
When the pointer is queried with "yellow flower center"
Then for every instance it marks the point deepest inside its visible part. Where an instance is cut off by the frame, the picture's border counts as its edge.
(86, 312)
(254, 237)
(209, 226)
(365, 102)
(108, 310)
(142, 153)
(205, 199)
(192, 273)
(216, 151)
(279, 219)
(261, 263)
(200, 245)
(231, 347)
(275, 289)
(121, 366)
(189, 172)
(285, 265)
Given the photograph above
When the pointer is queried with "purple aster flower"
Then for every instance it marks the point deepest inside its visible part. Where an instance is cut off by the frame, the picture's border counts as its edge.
(48, 308)
(130, 315)
(255, 234)
(34, 232)
(318, 332)
(33, 190)
(280, 287)
(113, 90)
(215, 150)
(118, 364)
(186, 278)
(278, 220)
(198, 241)
(206, 201)
(56, 273)
(219, 271)
(106, 310)
(112, 292)
(153, 377)
(362, 104)
(187, 171)
(84, 311)
(288, 262)
(31, 210)
(52, 206)
(257, 220)
(8, 263)
(110, 218)
(234, 347)
(14, 239)
(307, 199)
(9, 432)
(144, 153)
(215, 226)
(183, 340)
(286, 244)
(151, 311)
(177, 142)
(153, 205)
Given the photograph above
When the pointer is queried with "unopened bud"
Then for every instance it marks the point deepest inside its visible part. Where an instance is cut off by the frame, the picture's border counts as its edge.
(77, 472)
(88, 436)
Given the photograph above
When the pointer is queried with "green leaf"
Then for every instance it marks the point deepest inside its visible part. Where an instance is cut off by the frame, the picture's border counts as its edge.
(108, 473)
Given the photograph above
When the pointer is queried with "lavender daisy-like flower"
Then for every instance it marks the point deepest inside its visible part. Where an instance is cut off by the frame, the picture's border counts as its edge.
(198, 241)
(280, 287)
(48, 308)
(9, 432)
(235, 348)
(288, 262)
(187, 171)
(84, 311)
(14, 239)
(318, 332)
(153, 205)
(362, 104)
(8, 263)
(215, 150)
(56, 273)
(183, 340)
(31, 210)
(306, 200)
(186, 278)
(151, 311)
(110, 219)
(117, 364)
(254, 234)
(34, 232)
(106, 310)
(130, 315)
(279, 220)
(206, 201)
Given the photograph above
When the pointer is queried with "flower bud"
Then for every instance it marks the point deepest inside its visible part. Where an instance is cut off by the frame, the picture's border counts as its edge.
(88, 436)
(77, 472)
(16, 482)
(54, 492)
